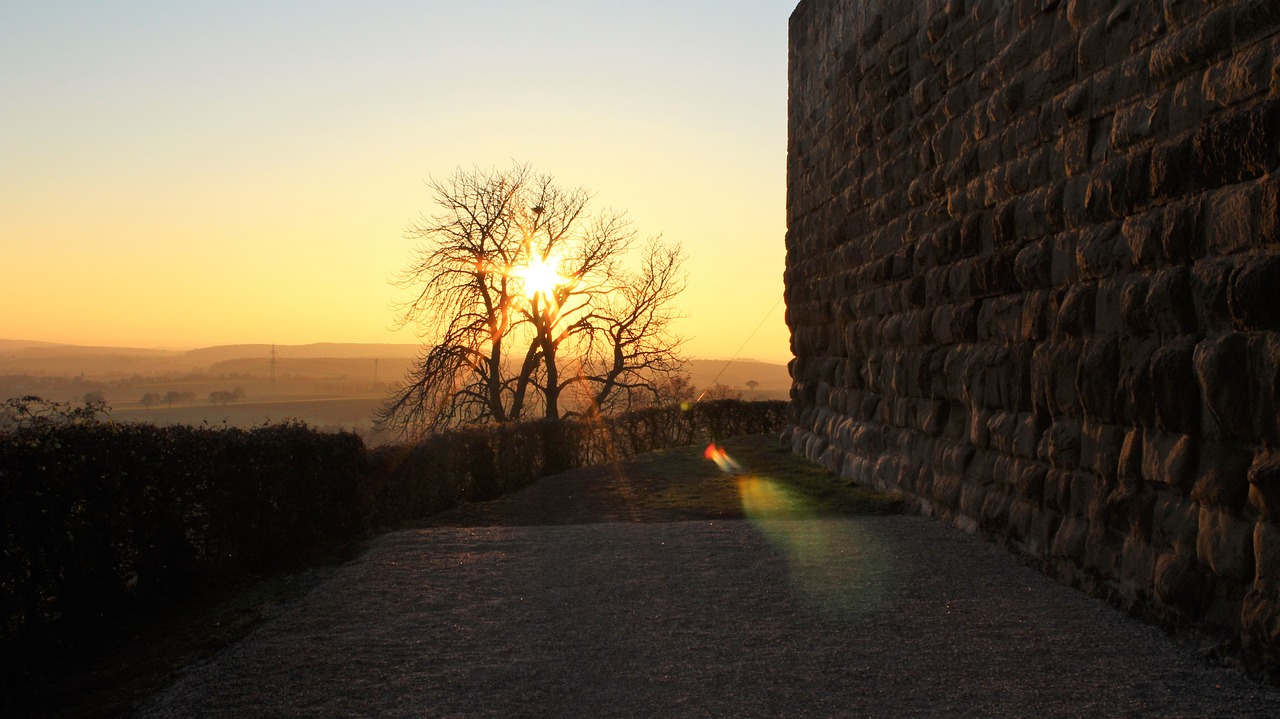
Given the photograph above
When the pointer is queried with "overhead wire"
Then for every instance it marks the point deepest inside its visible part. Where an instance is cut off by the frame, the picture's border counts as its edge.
(743, 346)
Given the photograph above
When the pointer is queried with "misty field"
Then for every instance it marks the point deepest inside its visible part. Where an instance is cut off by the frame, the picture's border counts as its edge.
(351, 413)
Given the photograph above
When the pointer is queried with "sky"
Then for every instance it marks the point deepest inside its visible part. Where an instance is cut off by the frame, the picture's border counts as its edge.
(199, 173)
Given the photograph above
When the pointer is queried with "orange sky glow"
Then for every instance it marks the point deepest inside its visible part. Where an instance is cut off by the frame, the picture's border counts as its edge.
(192, 174)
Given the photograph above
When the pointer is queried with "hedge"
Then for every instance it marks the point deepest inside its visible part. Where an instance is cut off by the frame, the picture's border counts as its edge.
(100, 519)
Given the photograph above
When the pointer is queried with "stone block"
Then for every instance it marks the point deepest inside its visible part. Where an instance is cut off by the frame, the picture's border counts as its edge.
(1033, 265)
(1088, 495)
(1266, 552)
(1175, 523)
(1031, 427)
(1060, 446)
(1172, 372)
(1069, 540)
(1243, 75)
(1098, 378)
(1182, 235)
(1100, 251)
(1264, 386)
(993, 515)
(1170, 459)
(1054, 366)
(1171, 308)
(1264, 485)
(1142, 235)
(1137, 568)
(1057, 490)
(1268, 208)
(1138, 408)
(1224, 544)
(1254, 297)
(1186, 104)
(1075, 315)
(1196, 43)
(1254, 18)
(1221, 365)
(1260, 620)
(1102, 552)
(1100, 449)
(1222, 480)
(1237, 145)
(1133, 305)
(1137, 122)
(1129, 462)
(1210, 289)
(1108, 317)
(1170, 169)
(1182, 585)
(1231, 216)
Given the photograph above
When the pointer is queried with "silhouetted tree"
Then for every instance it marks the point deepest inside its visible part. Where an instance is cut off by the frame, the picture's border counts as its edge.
(175, 396)
(151, 398)
(524, 303)
(223, 397)
(720, 391)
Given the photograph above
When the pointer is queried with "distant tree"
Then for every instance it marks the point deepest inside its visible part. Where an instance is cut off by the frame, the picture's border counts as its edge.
(174, 396)
(751, 385)
(224, 397)
(675, 389)
(721, 391)
(151, 398)
(95, 397)
(525, 305)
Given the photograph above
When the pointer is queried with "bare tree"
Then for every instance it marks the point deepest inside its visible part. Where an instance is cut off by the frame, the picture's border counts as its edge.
(525, 306)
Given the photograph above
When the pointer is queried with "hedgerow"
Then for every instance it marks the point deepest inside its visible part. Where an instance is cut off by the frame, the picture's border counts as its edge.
(100, 519)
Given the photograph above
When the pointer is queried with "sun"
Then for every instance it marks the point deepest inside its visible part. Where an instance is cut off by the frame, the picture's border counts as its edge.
(541, 276)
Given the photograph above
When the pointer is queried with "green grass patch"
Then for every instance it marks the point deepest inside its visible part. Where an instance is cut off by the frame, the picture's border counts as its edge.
(761, 462)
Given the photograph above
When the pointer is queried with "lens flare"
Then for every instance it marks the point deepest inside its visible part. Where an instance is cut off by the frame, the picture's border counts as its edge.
(832, 561)
(541, 276)
(722, 459)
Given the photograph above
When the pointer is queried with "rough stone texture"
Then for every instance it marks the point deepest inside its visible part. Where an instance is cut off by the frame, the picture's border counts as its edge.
(1033, 282)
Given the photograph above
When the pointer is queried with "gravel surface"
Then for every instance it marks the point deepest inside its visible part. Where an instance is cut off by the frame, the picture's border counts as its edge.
(853, 616)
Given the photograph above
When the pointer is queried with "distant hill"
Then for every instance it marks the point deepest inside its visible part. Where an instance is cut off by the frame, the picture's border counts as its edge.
(772, 377)
(385, 362)
(321, 350)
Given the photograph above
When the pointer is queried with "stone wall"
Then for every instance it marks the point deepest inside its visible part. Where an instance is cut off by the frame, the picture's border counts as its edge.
(1033, 282)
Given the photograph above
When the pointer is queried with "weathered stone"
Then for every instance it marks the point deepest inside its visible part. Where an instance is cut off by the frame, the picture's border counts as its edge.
(1170, 459)
(1264, 485)
(1182, 236)
(1240, 77)
(1098, 378)
(1137, 568)
(1171, 308)
(1060, 446)
(1182, 584)
(1221, 365)
(1101, 446)
(1229, 228)
(1175, 523)
(1237, 145)
(1254, 297)
(1224, 544)
(1210, 287)
(1173, 379)
(1222, 481)
(1260, 620)
(1032, 281)
(1191, 45)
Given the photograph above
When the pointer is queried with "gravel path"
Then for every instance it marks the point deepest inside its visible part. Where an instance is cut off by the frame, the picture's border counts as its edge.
(853, 616)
